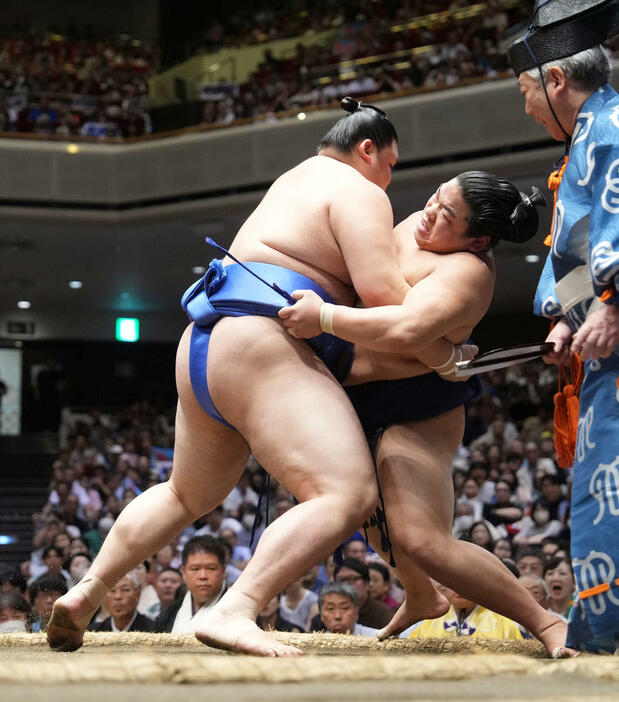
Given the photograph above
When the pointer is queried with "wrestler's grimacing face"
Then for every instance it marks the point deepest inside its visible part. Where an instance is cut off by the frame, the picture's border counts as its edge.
(444, 221)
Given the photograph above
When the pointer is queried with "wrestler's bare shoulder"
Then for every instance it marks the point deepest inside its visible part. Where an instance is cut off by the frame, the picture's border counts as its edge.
(335, 177)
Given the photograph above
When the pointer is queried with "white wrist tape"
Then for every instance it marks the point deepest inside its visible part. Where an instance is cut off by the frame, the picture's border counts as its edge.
(327, 310)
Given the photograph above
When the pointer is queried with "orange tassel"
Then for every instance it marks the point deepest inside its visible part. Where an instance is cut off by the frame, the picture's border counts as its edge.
(554, 181)
(566, 399)
(566, 413)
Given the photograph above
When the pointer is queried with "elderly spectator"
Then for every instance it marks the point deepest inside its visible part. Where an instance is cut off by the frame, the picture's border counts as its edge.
(559, 577)
(203, 572)
(380, 585)
(531, 562)
(16, 615)
(270, 618)
(42, 593)
(538, 588)
(372, 613)
(467, 618)
(339, 610)
(122, 603)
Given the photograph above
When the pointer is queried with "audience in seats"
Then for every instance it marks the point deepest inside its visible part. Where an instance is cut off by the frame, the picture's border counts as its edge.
(122, 604)
(372, 613)
(42, 593)
(339, 610)
(203, 571)
(106, 458)
(559, 577)
(271, 619)
(167, 584)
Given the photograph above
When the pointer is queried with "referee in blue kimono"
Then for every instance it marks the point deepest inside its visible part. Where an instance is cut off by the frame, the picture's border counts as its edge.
(563, 74)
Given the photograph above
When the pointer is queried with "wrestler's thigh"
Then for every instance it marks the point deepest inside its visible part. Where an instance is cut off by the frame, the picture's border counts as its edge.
(414, 466)
(208, 456)
(295, 416)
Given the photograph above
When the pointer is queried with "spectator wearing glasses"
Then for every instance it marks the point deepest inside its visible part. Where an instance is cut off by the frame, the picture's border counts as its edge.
(122, 603)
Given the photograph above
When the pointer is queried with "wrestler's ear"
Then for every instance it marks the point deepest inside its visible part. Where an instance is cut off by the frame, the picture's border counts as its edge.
(478, 244)
(366, 149)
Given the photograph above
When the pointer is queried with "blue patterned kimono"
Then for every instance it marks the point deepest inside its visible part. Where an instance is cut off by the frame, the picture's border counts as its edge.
(586, 246)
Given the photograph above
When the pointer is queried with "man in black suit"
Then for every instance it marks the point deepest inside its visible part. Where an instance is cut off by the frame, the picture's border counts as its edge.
(122, 603)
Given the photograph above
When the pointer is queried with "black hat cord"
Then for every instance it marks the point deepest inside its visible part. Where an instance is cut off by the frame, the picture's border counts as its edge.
(541, 75)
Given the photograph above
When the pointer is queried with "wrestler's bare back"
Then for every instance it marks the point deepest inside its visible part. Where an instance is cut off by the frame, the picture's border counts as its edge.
(305, 222)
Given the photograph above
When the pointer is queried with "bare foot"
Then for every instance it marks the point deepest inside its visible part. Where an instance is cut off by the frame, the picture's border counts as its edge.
(72, 613)
(231, 625)
(553, 637)
(66, 627)
(408, 614)
(253, 640)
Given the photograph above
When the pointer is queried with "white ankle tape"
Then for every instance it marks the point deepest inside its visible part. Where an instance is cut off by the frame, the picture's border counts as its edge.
(236, 602)
(93, 589)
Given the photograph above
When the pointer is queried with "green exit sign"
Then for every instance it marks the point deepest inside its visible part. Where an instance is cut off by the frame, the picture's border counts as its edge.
(127, 329)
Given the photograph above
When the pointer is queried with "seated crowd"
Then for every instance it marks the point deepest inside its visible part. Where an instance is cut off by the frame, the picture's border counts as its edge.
(68, 85)
(57, 84)
(510, 498)
(374, 51)
(53, 84)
